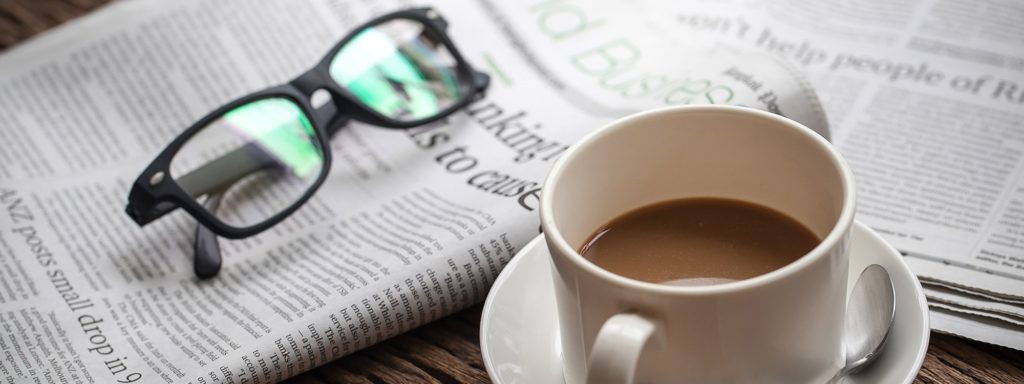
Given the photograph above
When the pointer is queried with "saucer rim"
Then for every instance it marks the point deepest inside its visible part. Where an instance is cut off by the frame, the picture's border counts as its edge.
(538, 241)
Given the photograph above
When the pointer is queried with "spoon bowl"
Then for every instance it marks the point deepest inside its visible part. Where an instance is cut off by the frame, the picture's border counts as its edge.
(870, 313)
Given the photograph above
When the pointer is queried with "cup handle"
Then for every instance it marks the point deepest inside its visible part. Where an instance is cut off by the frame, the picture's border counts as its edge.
(616, 351)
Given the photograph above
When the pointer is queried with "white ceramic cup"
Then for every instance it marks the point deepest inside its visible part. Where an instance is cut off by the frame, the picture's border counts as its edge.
(784, 326)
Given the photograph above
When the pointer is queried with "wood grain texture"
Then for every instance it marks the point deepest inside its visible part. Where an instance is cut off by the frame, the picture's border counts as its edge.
(448, 350)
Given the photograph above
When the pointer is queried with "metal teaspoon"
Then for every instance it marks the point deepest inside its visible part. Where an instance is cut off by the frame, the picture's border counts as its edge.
(869, 317)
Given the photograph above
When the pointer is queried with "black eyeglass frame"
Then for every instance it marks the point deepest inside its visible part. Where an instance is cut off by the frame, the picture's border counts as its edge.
(155, 193)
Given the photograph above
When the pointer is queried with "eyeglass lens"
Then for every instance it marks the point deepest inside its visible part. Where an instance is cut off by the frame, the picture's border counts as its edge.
(252, 162)
(401, 70)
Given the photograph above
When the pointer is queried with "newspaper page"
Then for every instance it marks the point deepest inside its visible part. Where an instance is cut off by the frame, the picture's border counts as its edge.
(926, 101)
(409, 227)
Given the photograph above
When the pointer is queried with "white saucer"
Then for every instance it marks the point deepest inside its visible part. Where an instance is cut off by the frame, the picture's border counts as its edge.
(519, 329)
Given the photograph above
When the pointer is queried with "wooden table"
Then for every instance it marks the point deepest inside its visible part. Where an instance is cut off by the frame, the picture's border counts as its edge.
(448, 351)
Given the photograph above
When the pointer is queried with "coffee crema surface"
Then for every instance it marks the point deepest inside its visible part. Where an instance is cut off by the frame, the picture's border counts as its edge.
(698, 241)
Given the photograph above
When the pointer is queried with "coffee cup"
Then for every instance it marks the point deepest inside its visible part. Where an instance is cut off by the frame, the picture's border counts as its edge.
(783, 326)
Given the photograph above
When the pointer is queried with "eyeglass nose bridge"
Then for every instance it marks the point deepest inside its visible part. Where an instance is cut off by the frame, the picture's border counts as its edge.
(310, 82)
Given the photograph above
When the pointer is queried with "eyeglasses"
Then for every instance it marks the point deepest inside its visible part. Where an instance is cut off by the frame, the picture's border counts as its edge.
(249, 164)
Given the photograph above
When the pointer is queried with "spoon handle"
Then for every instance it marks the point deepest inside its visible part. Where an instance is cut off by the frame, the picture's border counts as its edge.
(839, 378)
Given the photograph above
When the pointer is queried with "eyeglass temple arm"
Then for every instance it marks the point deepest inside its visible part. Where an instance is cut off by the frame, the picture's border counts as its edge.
(220, 173)
(206, 249)
(212, 176)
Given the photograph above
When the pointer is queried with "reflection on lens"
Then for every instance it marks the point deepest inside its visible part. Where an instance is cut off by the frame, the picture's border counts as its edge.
(401, 70)
(251, 163)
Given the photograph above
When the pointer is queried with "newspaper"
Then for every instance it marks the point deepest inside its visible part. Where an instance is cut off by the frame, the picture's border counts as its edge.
(410, 225)
(927, 105)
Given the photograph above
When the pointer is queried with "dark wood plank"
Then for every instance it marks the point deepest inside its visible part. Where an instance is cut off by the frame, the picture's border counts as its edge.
(448, 350)
(308, 379)
(952, 360)
(335, 373)
(379, 366)
(21, 19)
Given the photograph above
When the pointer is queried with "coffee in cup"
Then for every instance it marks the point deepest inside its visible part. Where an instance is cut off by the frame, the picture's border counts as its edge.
(698, 241)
